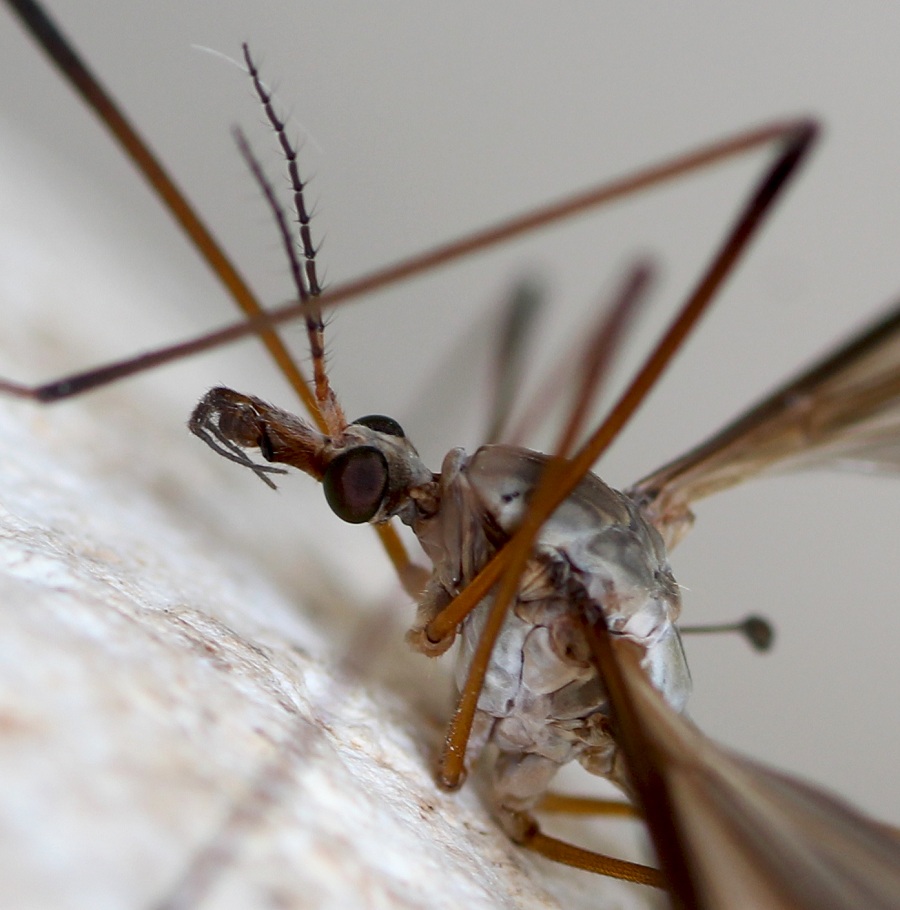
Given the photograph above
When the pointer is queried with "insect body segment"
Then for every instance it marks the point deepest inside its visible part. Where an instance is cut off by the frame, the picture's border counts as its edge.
(543, 703)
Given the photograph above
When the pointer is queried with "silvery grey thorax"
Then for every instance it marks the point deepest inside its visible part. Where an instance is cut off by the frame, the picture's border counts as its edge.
(542, 704)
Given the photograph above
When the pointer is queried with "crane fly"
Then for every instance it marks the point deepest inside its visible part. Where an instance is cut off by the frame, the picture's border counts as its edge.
(854, 391)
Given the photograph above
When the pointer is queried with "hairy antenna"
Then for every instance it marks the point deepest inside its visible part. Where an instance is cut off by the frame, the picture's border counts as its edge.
(305, 278)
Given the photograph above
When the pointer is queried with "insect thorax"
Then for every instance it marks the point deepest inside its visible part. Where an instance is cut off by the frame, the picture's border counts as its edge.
(542, 703)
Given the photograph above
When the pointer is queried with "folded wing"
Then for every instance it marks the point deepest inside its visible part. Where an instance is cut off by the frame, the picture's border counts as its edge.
(842, 413)
(731, 833)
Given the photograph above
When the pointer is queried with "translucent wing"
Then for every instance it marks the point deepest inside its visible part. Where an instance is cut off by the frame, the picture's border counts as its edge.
(518, 323)
(842, 413)
(731, 833)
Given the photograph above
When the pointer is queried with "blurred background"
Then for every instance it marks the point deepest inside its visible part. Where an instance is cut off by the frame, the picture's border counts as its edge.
(418, 124)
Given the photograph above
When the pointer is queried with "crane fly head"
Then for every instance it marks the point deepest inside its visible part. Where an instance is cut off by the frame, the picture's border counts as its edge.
(369, 470)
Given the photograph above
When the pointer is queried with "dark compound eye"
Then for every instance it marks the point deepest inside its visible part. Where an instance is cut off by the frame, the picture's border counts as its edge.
(265, 444)
(355, 484)
(381, 424)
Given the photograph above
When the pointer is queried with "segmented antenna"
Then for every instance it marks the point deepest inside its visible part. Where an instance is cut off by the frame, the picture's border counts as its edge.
(305, 277)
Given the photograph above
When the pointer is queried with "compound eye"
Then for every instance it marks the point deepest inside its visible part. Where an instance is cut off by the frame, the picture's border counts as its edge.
(381, 424)
(355, 484)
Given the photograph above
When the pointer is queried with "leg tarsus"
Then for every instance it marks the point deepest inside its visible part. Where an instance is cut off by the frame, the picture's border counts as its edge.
(531, 836)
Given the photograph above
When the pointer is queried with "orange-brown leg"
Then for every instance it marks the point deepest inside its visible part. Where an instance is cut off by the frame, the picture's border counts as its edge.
(528, 833)
(586, 805)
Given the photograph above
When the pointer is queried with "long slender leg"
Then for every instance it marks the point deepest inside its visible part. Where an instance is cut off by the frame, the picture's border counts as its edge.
(570, 855)
(586, 805)
(535, 219)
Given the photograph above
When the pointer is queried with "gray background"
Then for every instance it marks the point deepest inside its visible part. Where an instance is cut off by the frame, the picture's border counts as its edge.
(420, 123)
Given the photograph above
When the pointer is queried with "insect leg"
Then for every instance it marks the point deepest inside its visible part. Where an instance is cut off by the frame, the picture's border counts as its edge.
(586, 805)
(445, 254)
(570, 855)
